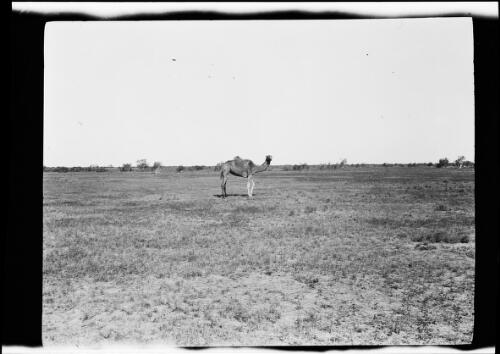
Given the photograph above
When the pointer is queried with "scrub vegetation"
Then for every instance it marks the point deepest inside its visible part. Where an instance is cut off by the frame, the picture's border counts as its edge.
(366, 255)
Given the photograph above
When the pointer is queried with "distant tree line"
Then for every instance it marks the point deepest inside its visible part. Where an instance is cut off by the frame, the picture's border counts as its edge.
(305, 166)
(444, 162)
(191, 168)
(92, 168)
(459, 162)
(334, 166)
(143, 166)
(299, 167)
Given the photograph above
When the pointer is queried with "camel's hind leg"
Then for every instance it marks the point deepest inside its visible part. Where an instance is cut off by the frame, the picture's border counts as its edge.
(223, 186)
(223, 177)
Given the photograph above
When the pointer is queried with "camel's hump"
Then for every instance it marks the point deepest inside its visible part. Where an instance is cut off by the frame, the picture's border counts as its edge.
(242, 163)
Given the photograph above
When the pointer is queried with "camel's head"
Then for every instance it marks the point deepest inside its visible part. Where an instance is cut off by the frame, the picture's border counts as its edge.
(268, 159)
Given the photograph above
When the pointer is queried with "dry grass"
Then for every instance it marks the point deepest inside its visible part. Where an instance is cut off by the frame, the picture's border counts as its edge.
(351, 256)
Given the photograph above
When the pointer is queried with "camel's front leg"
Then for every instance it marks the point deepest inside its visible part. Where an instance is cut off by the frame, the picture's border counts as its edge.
(252, 186)
(248, 187)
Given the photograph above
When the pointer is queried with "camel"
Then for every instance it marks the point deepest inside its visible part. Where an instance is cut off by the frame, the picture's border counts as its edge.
(242, 168)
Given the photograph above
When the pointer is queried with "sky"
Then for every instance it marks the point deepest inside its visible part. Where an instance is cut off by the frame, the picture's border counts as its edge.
(201, 92)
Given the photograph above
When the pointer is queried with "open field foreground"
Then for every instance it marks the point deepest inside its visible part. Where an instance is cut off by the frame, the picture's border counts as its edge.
(352, 256)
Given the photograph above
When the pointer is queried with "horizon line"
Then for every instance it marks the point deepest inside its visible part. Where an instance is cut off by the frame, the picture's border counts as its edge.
(281, 164)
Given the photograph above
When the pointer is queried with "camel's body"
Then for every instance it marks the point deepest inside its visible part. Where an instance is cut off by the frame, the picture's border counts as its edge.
(242, 168)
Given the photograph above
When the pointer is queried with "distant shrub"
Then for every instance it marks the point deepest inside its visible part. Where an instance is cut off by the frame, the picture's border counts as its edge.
(196, 168)
(442, 163)
(96, 168)
(126, 167)
(156, 165)
(430, 164)
(180, 168)
(441, 207)
(142, 164)
(414, 164)
(60, 169)
(328, 166)
(459, 161)
(300, 167)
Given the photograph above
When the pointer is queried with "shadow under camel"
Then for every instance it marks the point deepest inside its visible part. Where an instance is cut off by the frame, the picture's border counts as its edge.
(232, 195)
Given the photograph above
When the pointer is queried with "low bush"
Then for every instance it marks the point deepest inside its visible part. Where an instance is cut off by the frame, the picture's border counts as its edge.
(440, 237)
(300, 167)
(441, 207)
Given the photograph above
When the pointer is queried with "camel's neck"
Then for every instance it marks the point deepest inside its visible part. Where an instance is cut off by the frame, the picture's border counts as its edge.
(262, 167)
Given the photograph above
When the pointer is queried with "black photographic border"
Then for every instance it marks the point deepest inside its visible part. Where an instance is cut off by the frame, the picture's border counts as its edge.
(22, 243)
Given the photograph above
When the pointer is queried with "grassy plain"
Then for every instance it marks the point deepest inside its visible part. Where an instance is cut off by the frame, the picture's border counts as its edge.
(343, 257)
